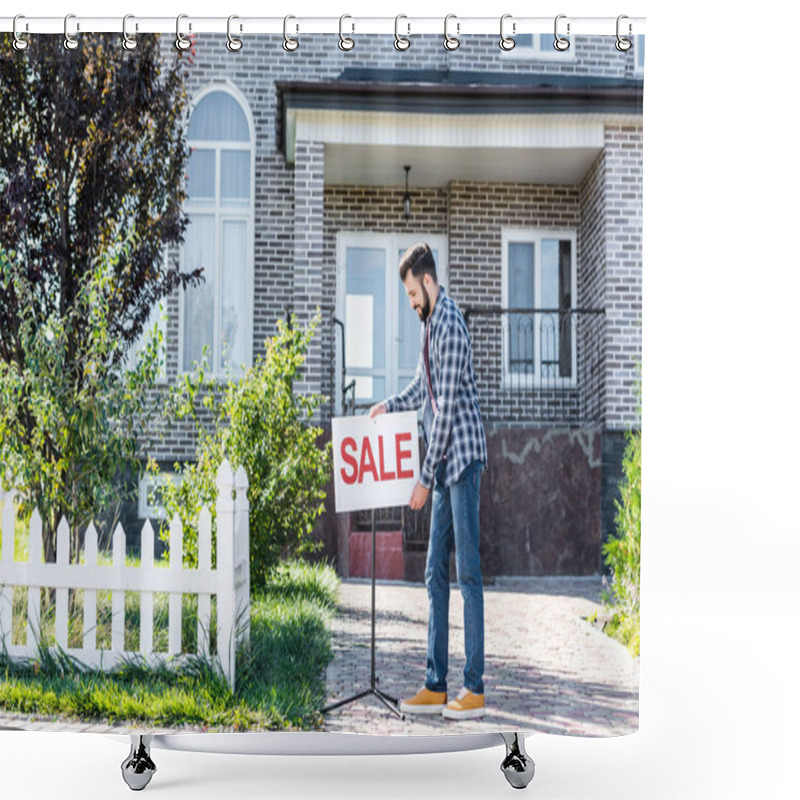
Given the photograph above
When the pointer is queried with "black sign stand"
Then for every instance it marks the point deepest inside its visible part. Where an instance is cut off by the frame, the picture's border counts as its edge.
(389, 702)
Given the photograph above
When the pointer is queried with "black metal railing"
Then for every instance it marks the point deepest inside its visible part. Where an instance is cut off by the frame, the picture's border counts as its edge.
(348, 388)
(538, 365)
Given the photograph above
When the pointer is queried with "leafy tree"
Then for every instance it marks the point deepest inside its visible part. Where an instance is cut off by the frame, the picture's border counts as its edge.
(92, 181)
(262, 424)
(62, 441)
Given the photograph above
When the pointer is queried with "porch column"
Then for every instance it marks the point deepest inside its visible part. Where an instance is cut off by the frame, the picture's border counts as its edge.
(308, 258)
(623, 273)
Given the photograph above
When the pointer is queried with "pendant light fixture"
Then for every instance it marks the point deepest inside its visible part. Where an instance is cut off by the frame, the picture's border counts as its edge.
(407, 198)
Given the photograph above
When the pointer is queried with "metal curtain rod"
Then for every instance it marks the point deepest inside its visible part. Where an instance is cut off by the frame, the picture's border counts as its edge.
(387, 25)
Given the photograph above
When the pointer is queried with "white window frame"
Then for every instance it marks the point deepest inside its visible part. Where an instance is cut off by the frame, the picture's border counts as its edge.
(535, 236)
(393, 243)
(223, 213)
(535, 51)
(146, 483)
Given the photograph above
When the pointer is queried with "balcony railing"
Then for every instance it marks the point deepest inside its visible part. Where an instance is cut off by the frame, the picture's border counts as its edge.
(538, 365)
(531, 365)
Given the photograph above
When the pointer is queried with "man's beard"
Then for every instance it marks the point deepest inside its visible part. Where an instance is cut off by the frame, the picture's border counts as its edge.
(425, 311)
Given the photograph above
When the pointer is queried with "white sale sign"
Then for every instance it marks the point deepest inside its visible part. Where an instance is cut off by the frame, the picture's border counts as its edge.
(375, 461)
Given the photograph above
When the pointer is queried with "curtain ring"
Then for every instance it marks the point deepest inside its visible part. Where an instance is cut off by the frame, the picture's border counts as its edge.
(19, 42)
(451, 42)
(623, 45)
(234, 45)
(401, 42)
(181, 42)
(128, 42)
(506, 42)
(70, 42)
(289, 44)
(560, 43)
(345, 42)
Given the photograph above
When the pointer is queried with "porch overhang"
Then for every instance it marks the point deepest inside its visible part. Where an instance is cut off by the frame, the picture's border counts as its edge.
(546, 130)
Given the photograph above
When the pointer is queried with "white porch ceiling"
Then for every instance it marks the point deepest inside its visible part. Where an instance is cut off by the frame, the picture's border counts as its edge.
(382, 165)
(368, 148)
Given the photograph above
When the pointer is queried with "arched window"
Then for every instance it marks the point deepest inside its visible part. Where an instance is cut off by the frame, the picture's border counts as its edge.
(218, 313)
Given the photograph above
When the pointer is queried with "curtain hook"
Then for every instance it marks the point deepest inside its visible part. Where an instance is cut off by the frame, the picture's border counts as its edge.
(560, 43)
(181, 42)
(401, 42)
(70, 42)
(19, 42)
(128, 42)
(289, 44)
(623, 45)
(234, 45)
(451, 42)
(345, 42)
(506, 42)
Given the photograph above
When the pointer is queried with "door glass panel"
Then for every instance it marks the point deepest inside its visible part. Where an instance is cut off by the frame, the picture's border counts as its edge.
(233, 287)
(548, 324)
(365, 308)
(556, 339)
(520, 294)
(198, 307)
(369, 388)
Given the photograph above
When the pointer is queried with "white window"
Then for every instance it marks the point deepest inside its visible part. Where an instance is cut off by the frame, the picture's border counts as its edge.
(218, 313)
(539, 46)
(151, 504)
(381, 329)
(638, 54)
(539, 291)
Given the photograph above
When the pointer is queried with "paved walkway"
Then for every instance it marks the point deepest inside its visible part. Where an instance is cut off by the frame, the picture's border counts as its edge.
(547, 669)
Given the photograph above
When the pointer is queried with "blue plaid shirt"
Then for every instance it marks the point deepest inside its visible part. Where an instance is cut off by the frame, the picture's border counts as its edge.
(455, 432)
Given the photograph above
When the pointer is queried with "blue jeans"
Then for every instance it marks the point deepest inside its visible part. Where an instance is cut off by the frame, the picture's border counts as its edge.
(454, 522)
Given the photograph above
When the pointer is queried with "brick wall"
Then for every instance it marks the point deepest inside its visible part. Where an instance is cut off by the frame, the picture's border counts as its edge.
(623, 272)
(308, 257)
(591, 274)
(473, 230)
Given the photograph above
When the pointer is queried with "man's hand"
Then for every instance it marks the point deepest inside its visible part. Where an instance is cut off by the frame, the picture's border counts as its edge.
(378, 408)
(418, 497)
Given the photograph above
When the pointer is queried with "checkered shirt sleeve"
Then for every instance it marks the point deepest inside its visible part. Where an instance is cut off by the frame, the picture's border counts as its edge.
(457, 428)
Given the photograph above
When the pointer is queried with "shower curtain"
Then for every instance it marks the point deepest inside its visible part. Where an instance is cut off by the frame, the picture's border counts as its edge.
(199, 247)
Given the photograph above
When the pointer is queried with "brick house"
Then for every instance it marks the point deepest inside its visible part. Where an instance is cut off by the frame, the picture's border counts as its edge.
(526, 179)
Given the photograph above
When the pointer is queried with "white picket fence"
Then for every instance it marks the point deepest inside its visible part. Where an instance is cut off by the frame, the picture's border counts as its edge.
(229, 581)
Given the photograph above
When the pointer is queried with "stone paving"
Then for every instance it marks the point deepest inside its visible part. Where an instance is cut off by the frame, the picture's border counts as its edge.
(548, 670)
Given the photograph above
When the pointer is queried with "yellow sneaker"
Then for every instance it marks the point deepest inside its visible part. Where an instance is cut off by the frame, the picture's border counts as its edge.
(466, 706)
(424, 702)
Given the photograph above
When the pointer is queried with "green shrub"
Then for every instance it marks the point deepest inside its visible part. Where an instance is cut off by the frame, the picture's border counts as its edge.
(258, 422)
(622, 554)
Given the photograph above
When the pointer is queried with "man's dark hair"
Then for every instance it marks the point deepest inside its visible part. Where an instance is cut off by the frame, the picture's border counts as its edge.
(419, 259)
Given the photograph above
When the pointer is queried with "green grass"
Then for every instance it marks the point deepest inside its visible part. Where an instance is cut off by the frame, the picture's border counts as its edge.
(280, 680)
